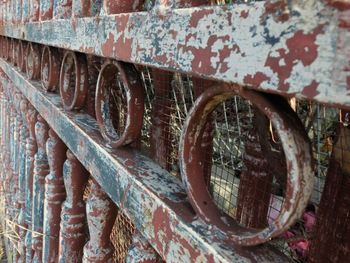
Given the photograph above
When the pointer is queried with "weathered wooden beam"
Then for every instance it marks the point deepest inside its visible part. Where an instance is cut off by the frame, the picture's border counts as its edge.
(153, 199)
(304, 54)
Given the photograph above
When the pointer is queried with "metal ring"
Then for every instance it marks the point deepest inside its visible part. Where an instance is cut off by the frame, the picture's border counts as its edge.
(50, 68)
(33, 61)
(73, 80)
(296, 147)
(134, 100)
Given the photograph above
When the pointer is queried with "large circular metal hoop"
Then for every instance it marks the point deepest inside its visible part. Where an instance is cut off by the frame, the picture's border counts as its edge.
(134, 100)
(73, 80)
(33, 61)
(296, 147)
(50, 68)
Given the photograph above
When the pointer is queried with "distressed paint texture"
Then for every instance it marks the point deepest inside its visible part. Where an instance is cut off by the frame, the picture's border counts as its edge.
(153, 199)
(305, 54)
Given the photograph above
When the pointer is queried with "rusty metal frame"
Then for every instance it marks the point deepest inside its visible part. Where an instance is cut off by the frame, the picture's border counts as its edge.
(305, 54)
(150, 196)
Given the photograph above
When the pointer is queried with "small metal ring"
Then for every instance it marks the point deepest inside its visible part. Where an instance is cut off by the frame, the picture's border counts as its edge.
(134, 93)
(50, 68)
(73, 80)
(33, 61)
(296, 147)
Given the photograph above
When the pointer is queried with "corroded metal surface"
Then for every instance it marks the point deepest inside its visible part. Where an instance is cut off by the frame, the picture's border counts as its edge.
(154, 200)
(126, 98)
(295, 145)
(306, 53)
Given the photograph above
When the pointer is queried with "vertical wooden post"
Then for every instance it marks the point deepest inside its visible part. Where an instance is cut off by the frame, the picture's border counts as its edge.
(31, 149)
(101, 213)
(141, 251)
(62, 9)
(331, 242)
(73, 215)
(54, 196)
(46, 10)
(256, 181)
(41, 170)
(34, 9)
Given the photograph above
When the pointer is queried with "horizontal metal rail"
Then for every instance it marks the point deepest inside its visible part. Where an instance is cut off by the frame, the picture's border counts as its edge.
(154, 199)
(305, 55)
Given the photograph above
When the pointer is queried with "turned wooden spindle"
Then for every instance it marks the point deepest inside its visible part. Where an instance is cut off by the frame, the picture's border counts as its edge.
(101, 213)
(140, 251)
(24, 134)
(160, 135)
(46, 10)
(34, 10)
(41, 170)
(110, 7)
(62, 9)
(25, 12)
(73, 214)
(83, 8)
(31, 149)
(55, 194)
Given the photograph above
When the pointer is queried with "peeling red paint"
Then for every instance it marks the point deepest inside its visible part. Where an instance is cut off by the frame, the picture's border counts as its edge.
(198, 15)
(300, 48)
(310, 91)
(244, 13)
(257, 79)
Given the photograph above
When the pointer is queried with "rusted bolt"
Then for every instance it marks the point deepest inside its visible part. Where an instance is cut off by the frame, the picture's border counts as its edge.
(121, 6)
(22, 55)
(296, 147)
(50, 68)
(119, 103)
(33, 61)
(73, 80)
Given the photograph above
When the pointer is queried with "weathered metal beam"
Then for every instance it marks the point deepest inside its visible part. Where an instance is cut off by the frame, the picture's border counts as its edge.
(154, 199)
(307, 53)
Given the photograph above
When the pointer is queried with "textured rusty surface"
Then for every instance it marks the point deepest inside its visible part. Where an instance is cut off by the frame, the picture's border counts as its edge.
(332, 233)
(73, 215)
(295, 55)
(62, 9)
(83, 8)
(50, 68)
(141, 251)
(119, 103)
(153, 199)
(73, 80)
(55, 194)
(295, 145)
(101, 213)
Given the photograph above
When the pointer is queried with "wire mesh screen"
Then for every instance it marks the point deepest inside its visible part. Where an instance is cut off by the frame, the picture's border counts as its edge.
(169, 97)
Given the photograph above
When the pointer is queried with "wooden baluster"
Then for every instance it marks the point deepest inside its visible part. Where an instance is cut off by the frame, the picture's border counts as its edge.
(73, 215)
(140, 251)
(120, 6)
(101, 213)
(31, 149)
(41, 170)
(55, 194)
(34, 9)
(46, 10)
(62, 9)
(25, 11)
(24, 133)
(83, 8)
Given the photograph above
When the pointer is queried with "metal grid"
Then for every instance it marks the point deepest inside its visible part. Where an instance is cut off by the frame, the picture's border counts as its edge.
(172, 107)
(121, 236)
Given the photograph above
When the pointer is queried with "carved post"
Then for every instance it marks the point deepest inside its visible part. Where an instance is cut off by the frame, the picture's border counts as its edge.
(31, 149)
(73, 215)
(54, 196)
(34, 8)
(25, 11)
(83, 8)
(62, 9)
(121, 6)
(101, 213)
(141, 251)
(46, 10)
(41, 170)
(24, 133)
